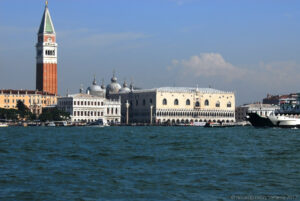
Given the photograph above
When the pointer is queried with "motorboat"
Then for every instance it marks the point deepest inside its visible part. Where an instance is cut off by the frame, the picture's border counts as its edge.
(284, 121)
(199, 124)
(212, 124)
(2, 125)
(97, 123)
(51, 124)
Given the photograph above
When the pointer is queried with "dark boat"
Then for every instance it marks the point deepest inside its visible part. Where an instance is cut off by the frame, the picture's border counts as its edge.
(98, 123)
(259, 121)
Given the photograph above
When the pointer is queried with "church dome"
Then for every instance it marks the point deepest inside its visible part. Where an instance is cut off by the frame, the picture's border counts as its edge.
(114, 86)
(95, 89)
(125, 88)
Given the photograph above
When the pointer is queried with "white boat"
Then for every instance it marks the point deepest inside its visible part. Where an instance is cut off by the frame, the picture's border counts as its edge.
(212, 124)
(284, 121)
(51, 124)
(2, 125)
(200, 124)
(98, 123)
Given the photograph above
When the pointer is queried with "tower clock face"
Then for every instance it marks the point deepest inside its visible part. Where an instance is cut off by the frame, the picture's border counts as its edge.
(49, 40)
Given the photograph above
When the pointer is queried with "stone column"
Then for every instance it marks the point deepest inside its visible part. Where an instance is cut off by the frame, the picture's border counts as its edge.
(151, 108)
(127, 112)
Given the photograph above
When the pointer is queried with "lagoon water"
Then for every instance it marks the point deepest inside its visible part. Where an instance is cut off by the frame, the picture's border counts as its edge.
(149, 163)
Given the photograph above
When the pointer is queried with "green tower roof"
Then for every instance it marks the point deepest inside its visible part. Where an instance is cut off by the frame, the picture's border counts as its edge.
(46, 24)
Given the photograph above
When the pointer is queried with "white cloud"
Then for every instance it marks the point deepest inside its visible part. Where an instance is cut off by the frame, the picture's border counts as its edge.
(277, 77)
(209, 65)
(278, 74)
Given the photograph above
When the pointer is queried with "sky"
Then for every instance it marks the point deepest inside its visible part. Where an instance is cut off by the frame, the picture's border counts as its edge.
(249, 47)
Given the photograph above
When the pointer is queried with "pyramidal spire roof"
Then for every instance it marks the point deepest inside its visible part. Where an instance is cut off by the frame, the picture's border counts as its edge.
(46, 24)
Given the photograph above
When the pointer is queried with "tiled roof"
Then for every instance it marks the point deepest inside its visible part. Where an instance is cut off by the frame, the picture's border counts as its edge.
(15, 91)
(189, 89)
(182, 90)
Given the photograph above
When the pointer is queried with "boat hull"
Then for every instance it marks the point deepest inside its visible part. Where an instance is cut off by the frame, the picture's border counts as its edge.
(284, 121)
(258, 121)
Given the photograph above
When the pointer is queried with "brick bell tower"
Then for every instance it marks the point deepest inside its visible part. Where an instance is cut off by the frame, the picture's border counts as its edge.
(46, 59)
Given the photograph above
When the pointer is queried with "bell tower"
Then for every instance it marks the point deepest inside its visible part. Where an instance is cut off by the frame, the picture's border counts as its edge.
(46, 55)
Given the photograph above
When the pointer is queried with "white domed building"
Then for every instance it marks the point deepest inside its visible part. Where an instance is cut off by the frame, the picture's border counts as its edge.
(92, 105)
(114, 86)
(96, 90)
(125, 88)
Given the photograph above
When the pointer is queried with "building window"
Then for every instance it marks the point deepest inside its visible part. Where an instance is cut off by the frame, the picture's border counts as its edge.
(107, 110)
(197, 104)
(229, 104)
(165, 102)
(206, 103)
(176, 102)
(188, 102)
(144, 102)
(150, 100)
(136, 102)
(112, 110)
(218, 104)
(116, 110)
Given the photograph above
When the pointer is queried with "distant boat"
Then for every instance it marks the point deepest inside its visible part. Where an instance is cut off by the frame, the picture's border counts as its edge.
(212, 124)
(199, 124)
(98, 123)
(51, 124)
(2, 125)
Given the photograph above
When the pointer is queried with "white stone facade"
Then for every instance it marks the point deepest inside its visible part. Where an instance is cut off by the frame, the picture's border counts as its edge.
(177, 105)
(89, 108)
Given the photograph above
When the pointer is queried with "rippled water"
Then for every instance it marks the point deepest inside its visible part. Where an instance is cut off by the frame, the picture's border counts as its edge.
(148, 163)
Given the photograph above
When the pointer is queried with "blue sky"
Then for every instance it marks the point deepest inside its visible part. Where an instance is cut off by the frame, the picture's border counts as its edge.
(249, 47)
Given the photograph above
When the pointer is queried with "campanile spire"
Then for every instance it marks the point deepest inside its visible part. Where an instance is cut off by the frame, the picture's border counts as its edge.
(46, 59)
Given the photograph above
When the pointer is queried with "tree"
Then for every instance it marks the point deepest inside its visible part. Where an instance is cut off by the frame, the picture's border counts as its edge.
(53, 114)
(22, 107)
(9, 114)
(24, 111)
